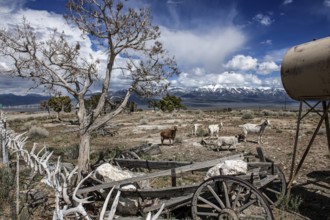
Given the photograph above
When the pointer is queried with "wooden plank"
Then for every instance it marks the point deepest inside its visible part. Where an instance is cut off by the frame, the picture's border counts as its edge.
(169, 203)
(149, 164)
(179, 170)
(168, 192)
(261, 154)
(268, 179)
(252, 165)
(173, 177)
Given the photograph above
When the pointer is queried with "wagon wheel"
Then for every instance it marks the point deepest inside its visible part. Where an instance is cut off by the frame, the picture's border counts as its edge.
(230, 198)
(274, 191)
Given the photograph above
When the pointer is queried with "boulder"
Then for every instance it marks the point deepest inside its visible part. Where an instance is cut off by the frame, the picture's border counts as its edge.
(229, 167)
(109, 173)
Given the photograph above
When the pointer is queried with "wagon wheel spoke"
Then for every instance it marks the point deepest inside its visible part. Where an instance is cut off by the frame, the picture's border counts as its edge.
(225, 189)
(216, 196)
(254, 217)
(273, 191)
(237, 197)
(207, 214)
(247, 205)
(209, 203)
(268, 199)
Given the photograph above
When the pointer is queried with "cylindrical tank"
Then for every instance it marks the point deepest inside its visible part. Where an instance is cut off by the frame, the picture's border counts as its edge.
(305, 70)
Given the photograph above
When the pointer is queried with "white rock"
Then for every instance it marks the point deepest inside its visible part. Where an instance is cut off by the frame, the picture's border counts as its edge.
(112, 173)
(229, 167)
(126, 206)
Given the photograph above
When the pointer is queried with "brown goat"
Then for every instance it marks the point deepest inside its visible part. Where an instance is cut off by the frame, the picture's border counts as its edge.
(168, 134)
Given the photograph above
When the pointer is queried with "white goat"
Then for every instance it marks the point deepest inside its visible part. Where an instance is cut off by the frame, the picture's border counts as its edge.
(255, 128)
(195, 128)
(230, 141)
(214, 129)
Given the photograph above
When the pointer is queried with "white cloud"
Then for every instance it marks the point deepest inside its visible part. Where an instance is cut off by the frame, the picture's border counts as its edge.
(44, 22)
(275, 55)
(174, 2)
(242, 62)
(207, 50)
(250, 64)
(267, 67)
(273, 82)
(234, 79)
(326, 3)
(11, 6)
(286, 2)
(265, 20)
(268, 42)
(3, 66)
(224, 79)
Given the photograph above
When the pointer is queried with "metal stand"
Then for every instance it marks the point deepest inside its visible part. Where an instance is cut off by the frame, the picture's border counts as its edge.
(324, 117)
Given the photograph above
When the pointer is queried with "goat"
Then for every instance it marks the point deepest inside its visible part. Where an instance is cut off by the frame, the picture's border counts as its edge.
(168, 134)
(214, 129)
(195, 128)
(230, 141)
(255, 128)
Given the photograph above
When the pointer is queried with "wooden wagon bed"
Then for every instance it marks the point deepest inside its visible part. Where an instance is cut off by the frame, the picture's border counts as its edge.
(262, 174)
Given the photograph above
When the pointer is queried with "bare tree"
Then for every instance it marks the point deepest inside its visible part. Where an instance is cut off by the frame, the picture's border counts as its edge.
(57, 64)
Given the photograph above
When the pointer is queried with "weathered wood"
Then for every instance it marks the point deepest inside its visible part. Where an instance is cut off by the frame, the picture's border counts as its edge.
(170, 203)
(149, 164)
(168, 192)
(268, 179)
(173, 177)
(164, 165)
(179, 170)
(259, 164)
(261, 154)
(150, 149)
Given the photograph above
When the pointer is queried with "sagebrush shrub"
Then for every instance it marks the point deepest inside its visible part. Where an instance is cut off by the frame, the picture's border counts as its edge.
(37, 132)
(7, 180)
(247, 116)
(143, 121)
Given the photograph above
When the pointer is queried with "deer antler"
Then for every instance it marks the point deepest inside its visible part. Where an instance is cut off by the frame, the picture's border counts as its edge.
(75, 198)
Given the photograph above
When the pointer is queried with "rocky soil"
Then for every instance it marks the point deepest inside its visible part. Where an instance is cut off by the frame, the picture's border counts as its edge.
(311, 187)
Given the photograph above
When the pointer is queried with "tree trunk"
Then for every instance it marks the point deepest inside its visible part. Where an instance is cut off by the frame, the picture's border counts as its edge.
(84, 150)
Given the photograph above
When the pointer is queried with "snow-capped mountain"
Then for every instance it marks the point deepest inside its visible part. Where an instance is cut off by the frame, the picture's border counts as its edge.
(222, 94)
(213, 95)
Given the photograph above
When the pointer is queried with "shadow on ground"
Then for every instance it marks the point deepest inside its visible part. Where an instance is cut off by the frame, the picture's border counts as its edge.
(315, 196)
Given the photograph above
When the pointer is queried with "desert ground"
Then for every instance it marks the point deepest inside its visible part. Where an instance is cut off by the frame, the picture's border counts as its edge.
(311, 189)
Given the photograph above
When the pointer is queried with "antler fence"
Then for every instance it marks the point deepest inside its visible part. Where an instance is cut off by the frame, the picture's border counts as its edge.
(56, 176)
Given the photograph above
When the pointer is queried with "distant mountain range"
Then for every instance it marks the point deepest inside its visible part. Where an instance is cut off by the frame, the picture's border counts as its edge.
(29, 99)
(192, 97)
(213, 96)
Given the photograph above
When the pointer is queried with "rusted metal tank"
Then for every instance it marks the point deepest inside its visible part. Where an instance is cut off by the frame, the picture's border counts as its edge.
(305, 71)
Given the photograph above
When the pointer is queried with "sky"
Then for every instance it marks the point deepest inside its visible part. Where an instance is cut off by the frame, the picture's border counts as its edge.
(217, 43)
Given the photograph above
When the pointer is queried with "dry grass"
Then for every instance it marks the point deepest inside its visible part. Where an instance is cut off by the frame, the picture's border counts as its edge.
(144, 127)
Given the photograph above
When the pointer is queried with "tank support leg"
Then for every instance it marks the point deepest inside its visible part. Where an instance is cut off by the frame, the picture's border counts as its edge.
(325, 114)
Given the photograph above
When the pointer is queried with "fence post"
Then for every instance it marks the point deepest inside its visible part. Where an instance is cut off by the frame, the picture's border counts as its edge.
(3, 134)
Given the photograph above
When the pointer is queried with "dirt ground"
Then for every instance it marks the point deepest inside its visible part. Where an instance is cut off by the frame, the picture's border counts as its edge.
(312, 184)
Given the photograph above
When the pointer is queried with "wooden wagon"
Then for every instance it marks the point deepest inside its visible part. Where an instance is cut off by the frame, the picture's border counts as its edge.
(248, 196)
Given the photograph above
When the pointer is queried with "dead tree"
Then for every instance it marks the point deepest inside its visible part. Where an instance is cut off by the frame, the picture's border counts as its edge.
(57, 64)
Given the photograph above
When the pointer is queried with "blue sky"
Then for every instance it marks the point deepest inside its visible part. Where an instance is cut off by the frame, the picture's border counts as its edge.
(222, 43)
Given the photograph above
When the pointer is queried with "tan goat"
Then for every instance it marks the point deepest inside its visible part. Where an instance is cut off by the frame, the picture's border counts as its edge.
(168, 134)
